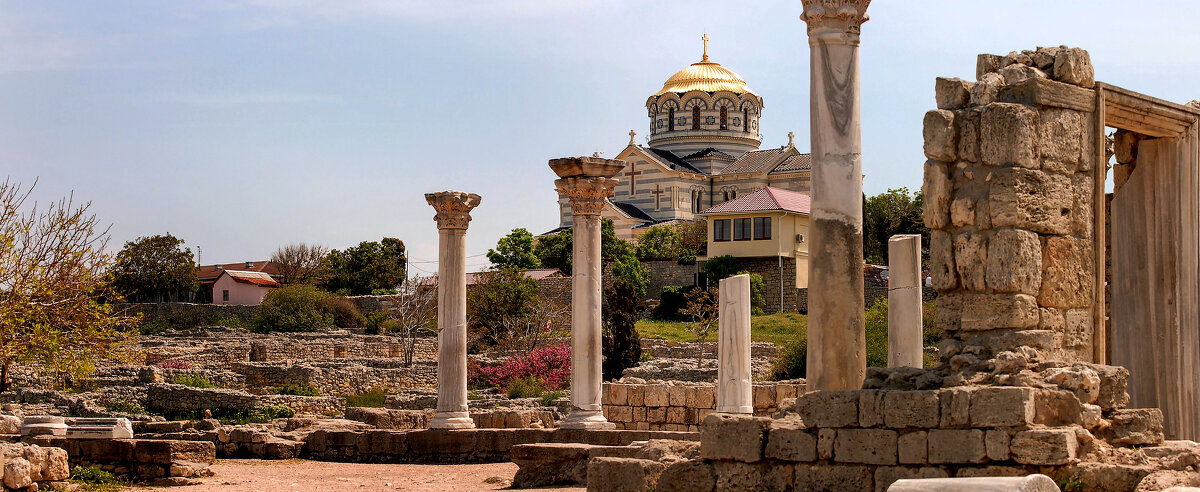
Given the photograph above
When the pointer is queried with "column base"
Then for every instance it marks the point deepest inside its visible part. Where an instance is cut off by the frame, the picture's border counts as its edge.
(586, 419)
(739, 409)
(451, 420)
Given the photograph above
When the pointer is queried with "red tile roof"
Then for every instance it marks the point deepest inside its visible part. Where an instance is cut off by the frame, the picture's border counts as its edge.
(209, 273)
(256, 278)
(764, 200)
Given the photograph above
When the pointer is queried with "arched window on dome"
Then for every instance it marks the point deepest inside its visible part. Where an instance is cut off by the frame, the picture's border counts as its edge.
(696, 117)
(671, 119)
(724, 118)
(746, 120)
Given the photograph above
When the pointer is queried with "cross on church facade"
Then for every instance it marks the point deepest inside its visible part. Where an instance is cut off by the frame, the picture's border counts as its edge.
(632, 173)
(658, 191)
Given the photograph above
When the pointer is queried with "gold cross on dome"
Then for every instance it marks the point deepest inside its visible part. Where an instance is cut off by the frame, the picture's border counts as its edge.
(705, 39)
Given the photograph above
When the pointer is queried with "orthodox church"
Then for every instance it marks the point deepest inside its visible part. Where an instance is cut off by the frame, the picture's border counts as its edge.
(703, 149)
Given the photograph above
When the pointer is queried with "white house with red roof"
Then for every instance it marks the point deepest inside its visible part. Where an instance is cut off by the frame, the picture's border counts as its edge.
(767, 223)
(242, 287)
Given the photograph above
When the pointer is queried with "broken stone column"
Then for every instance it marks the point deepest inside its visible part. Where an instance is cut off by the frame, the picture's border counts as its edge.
(453, 216)
(837, 343)
(587, 182)
(1008, 198)
(905, 340)
(734, 390)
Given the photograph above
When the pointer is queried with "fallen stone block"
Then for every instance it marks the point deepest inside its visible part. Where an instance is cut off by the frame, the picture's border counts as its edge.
(38, 425)
(1136, 426)
(623, 474)
(547, 464)
(687, 476)
(100, 428)
(1031, 483)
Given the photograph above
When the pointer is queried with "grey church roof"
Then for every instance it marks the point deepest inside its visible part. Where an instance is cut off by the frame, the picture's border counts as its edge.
(708, 152)
(633, 211)
(758, 161)
(674, 161)
(799, 162)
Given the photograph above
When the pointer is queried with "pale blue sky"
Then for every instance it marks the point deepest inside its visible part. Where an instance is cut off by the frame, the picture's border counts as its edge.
(243, 125)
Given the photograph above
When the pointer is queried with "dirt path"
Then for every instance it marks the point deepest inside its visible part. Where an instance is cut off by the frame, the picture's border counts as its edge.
(303, 476)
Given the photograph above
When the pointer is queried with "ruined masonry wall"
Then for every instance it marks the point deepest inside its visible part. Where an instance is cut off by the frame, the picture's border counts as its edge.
(1008, 200)
(681, 407)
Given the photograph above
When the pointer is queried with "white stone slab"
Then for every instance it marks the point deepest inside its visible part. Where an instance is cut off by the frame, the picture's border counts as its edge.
(1029, 483)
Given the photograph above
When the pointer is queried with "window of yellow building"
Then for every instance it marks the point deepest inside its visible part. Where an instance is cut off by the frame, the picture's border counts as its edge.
(762, 228)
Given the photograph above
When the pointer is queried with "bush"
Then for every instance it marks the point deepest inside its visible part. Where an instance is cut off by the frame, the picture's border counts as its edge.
(877, 333)
(550, 365)
(622, 345)
(500, 296)
(298, 389)
(126, 406)
(193, 380)
(792, 360)
(373, 398)
(93, 475)
(267, 413)
(674, 299)
(345, 313)
(549, 397)
(720, 267)
(294, 308)
(757, 300)
(530, 387)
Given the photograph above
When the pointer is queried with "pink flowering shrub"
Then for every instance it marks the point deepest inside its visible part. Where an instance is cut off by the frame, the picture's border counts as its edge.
(174, 364)
(549, 365)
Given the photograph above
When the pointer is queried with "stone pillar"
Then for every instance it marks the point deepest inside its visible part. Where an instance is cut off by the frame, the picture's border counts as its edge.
(734, 391)
(453, 215)
(837, 357)
(905, 340)
(587, 182)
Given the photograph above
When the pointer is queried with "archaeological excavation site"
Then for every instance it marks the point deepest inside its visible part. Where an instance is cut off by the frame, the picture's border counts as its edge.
(1059, 278)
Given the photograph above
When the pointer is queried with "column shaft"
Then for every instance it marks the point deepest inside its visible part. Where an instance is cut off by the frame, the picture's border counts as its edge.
(734, 389)
(453, 216)
(586, 289)
(905, 341)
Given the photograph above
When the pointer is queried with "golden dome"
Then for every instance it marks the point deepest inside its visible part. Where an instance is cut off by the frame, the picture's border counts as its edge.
(705, 76)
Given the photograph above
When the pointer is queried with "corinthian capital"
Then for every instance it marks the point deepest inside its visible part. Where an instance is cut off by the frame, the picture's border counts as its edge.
(453, 208)
(587, 194)
(843, 15)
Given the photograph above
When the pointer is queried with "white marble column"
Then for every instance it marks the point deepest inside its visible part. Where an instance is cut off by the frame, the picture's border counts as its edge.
(587, 182)
(453, 215)
(734, 389)
(837, 358)
(905, 341)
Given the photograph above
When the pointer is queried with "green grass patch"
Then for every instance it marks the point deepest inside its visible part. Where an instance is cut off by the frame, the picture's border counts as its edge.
(193, 380)
(776, 328)
(299, 389)
(127, 406)
(373, 398)
(93, 479)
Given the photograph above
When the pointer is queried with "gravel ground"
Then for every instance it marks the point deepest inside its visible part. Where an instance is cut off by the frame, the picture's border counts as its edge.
(303, 475)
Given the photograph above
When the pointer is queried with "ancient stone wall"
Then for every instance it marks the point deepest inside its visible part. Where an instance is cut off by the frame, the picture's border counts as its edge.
(1008, 199)
(662, 273)
(176, 399)
(777, 277)
(681, 406)
(337, 378)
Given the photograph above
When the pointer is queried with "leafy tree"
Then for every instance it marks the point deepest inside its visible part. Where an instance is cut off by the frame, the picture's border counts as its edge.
(630, 270)
(53, 272)
(704, 311)
(757, 300)
(659, 242)
(294, 308)
(370, 267)
(498, 296)
(896, 211)
(720, 267)
(554, 251)
(302, 263)
(622, 345)
(514, 251)
(693, 236)
(152, 268)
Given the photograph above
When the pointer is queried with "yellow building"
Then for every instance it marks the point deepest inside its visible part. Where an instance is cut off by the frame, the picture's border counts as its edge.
(770, 223)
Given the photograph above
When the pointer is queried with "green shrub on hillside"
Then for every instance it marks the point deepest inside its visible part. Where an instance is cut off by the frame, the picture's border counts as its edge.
(298, 389)
(791, 361)
(373, 398)
(294, 308)
(345, 313)
(193, 380)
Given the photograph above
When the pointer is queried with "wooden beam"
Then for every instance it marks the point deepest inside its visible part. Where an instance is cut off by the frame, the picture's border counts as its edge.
(1099, 176)
(1128, 110)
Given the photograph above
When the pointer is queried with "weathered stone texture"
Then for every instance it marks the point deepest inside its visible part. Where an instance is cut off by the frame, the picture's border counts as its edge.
(866, 446)
(936, 191)
(1067, 275)
(1002, 407)
(623, 474)
(941, 136)
(733, 437)
(903, 409)
(952, 93)
(1014, 261)
(970, 257)
(956, 446)
(1044, 446)
(788, 441)
(828, 408)
(1031, 199)
(1008, 136)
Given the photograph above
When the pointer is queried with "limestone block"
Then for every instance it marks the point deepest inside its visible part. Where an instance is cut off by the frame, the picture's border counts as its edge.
(986, 90)
(1015, 74)
(996, 441)
(37, 425)
(1074, 66)
(784, 392)
(623, 474)
(962, 212)
(865, 446)
(733, 476)
(1002, 407)
(676, 415)
(1125, 144)
(956, 446)
(1008, 136)
(1017, 58)
(955, 407)
(1137, 426)
(617, 394)
(941, 262)
(885, 476)
(825, 438)
(1044, 446)
(902, 409)
(1081, 225)
(687, 476)
(936, 190)
(37, 457)
(952, 93)
(733, 437)
(1067, 273)
(1031, 483)
(635, 395)
(833, 478)
(1113, 381)
(949, 310)
(970, 256)
(764, 397)
(992, 311)
(657, 395)
(1013, 340)
(1060, 138)
(1044, 93)
(941, 135)
(968, 133)
(656, 415)
(706, 397)
(991, 471)
(638, 414)
(1056, 407)
(788, 441)
(1083, 381)
(619, 414)
(1031, 199)
(1014, 261)
(550, 463)
(677, 396)
(986, 63)
(828, 408)
(870, 408)
(16, 474)
(912, 448)
(10, 424)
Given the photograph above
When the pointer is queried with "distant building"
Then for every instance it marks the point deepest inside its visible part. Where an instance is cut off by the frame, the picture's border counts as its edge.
(770, 223)
(207, 276)
(242, 287)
